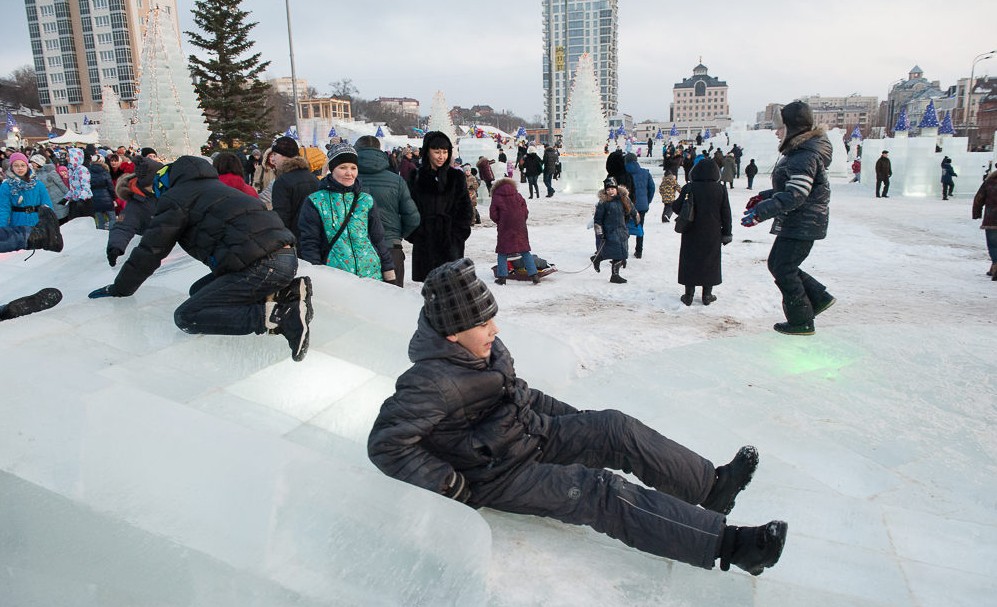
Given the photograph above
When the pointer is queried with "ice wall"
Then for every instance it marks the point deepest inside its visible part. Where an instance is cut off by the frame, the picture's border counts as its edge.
(917, 166)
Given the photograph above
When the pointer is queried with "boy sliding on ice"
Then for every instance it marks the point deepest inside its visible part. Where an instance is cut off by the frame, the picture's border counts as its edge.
(462, 424)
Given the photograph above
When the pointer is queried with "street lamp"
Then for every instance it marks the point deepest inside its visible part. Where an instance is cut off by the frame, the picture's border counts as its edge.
(294, 76)
(889, 97)
(970, 86)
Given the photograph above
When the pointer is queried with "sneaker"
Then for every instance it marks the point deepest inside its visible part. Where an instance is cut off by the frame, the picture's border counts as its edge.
(686, 299)
(788, 329)
(22, 306)
(298, 289)
(292, 320)
(827, 303)
(753, 548)
(45, 234)
(731, 479)
(708, 299)
(500, 280)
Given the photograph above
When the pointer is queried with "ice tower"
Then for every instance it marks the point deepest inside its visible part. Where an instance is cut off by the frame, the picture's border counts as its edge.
(584, 135)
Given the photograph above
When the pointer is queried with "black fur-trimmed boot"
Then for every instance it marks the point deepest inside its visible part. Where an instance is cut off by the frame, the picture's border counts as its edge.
(45, 234)
(753, 548)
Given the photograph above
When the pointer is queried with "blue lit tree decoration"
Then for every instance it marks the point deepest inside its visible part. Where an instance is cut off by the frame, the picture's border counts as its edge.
(332, 132)
(903, 123)
(946, 128)
(660, 135)
(674, 132)
(857, 133)
(930, 118)
(379, 133)
(707, 134)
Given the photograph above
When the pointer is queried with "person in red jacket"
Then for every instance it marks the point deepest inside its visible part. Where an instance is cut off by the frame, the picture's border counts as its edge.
(509, 212)
(230, 172)
(485, 172)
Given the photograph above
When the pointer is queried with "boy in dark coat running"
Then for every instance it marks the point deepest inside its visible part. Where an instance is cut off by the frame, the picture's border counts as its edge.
(251, 287)
(462, 424)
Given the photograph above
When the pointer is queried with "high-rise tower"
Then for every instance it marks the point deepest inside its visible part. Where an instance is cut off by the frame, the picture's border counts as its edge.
(80, 45)
(571, 28)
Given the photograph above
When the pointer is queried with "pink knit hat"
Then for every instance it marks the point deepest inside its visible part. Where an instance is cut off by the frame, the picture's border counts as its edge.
(18, 156)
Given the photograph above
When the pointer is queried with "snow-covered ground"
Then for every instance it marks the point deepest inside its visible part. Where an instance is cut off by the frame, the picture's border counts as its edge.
(141, 465)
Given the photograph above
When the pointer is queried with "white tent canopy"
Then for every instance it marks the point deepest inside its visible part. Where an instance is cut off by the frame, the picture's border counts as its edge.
(71, 136)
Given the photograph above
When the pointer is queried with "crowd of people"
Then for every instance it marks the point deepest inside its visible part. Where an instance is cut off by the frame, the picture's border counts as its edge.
(461, 422)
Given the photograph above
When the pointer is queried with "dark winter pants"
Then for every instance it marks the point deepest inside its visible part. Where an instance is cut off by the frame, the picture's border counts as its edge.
(947, 189)
(751, 180)
(398, 259)
(233, 303)
(800, 291)
(569, 482)
(532, 180)
(992, 244)
(882, 182)
(640, 239)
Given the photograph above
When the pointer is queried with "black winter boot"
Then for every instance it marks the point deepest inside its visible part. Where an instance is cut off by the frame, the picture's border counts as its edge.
(708, 296)
(596, 260)
(824, 304)
(753, 548)
(687, 297)
(500, 280)
(22, 306)
(616, 278)
(731, 479)
(799, 318)
(46, 234)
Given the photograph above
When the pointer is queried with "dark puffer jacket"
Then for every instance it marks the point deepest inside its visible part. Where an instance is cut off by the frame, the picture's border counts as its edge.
(454, 411)
(800, 192)
(215, 224)
(611, 215)
(102, 187)
(985, 203)
(399, 215)
(291, 189)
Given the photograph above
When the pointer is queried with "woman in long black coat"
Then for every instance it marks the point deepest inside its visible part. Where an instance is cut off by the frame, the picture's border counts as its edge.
(699, 256)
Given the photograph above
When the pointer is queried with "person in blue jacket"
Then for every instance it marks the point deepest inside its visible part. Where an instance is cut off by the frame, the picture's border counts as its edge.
(643, 192)
(21, 195)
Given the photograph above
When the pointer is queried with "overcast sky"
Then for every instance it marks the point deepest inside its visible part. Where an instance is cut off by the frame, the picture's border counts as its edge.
(491, 52)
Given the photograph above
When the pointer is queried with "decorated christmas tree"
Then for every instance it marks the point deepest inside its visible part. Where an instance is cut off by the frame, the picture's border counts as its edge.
(439, 118)
(114, 127)
(584, 122)
(903, 123)
(930, 118)
(169, 117)
(946, 128)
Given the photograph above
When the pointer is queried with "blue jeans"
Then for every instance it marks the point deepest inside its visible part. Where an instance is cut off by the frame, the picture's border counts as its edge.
(503, 264)
(532, 180)
(550, 188)
(234, 303)
(14, 238)
(992, 244)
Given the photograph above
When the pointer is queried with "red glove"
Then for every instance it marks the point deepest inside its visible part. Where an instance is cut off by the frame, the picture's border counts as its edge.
(752, 202)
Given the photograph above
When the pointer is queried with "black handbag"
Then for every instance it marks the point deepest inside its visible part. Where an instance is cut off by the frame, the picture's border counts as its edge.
(687, 214)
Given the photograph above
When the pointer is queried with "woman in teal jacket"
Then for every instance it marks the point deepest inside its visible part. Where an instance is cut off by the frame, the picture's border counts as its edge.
(21, 195)
(358, 245)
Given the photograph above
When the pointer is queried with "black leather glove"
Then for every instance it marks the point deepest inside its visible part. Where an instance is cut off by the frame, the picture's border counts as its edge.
(726, 239)
(113, 254)
(108, 291)
(455, 487)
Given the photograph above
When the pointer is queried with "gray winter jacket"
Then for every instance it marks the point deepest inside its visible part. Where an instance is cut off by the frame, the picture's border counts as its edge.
(454, 411)
(398, 212)
(800, 191)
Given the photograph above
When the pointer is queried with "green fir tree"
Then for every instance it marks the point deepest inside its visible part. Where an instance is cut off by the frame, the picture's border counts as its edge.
(226, 77)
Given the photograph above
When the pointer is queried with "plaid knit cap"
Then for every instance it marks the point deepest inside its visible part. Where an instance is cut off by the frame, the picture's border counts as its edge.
(455, 299)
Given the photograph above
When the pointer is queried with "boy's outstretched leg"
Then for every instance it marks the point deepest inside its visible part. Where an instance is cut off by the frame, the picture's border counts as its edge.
(45, 234)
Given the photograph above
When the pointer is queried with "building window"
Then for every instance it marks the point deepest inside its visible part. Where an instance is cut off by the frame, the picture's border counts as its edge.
(107, 55)
(102, 21)
(50, 28)
(56, 77)
(55, 61)
(104, 39)
(109, 72)
(46, 11)
(52, 45)
(59, 93)
(100, 3)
